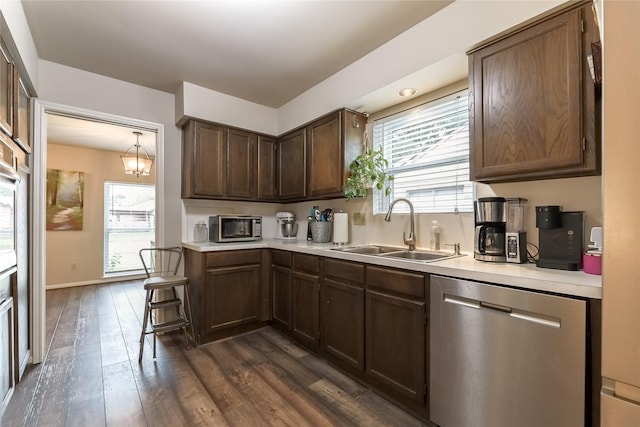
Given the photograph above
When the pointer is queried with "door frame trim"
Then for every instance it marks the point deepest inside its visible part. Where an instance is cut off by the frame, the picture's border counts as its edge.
(38, 203)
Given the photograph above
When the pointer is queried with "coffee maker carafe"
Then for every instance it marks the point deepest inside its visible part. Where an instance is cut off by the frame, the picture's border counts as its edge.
(489, 242)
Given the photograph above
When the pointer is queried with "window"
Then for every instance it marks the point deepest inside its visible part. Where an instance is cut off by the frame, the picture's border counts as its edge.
(129, 225)
(428, 152)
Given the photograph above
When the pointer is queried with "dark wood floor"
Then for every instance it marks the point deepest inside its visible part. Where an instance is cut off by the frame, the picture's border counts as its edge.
(91, 375)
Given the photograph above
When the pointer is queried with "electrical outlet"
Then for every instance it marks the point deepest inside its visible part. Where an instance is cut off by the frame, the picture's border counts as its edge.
(359, 219)
(74, 266)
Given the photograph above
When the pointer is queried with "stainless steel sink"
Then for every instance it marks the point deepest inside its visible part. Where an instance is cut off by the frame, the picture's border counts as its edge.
(370, 250)
(395, 252)
(421, 256)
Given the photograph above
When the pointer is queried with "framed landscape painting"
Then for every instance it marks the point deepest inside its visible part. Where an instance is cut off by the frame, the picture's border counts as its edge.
(65, 198)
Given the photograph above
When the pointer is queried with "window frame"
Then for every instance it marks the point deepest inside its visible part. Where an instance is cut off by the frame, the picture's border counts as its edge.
(461, 191)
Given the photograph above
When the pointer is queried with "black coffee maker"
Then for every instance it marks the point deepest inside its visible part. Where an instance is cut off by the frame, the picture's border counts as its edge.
(561, 238)
(490, 218)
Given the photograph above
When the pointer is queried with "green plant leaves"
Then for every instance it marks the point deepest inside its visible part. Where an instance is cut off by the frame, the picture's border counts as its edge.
(368, 170)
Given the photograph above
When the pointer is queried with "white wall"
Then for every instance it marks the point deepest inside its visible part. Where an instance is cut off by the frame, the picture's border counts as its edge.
(21, 36)
(451, 31)
(69, 86)
(198, 102)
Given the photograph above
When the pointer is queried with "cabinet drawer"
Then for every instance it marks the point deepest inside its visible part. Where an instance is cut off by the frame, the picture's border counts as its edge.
(396, 281)
(349, 271)
(229, 258)
(308, 263)
(281, 258)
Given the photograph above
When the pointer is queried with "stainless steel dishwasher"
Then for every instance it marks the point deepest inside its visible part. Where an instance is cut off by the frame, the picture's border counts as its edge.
(505, 357)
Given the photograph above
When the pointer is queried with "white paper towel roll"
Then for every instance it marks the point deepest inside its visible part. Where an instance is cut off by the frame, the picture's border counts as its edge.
(340, 227)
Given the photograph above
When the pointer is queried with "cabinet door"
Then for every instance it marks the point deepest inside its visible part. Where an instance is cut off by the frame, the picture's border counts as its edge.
(343, 322)
(232, 297)
(7, 379)
(527, 104)
(6, 91)
(267, 178)
(395, 344)
(242, 151)
(291, 166)
(281, 282)
(305, 300)
(325, 156)
(21, 284)
(21, 111)
(203, 161)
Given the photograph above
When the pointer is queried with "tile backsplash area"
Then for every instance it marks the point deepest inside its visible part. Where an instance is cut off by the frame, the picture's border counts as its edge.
(573, 194)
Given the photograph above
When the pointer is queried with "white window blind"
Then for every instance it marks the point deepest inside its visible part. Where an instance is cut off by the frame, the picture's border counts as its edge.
(428, 152)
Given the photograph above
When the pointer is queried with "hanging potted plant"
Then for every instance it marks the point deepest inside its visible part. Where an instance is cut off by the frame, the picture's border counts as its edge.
(367, 171)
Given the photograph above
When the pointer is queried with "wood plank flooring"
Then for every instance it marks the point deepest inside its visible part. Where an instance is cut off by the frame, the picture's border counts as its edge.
(91, 375)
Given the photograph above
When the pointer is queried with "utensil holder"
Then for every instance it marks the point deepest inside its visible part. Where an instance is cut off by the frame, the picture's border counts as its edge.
(320, 232)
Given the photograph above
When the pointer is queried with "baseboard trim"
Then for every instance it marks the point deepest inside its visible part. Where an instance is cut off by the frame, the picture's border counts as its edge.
(96, 282)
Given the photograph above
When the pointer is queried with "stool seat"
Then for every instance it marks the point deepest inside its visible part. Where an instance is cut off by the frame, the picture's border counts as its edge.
(164, 282)
(161, 267)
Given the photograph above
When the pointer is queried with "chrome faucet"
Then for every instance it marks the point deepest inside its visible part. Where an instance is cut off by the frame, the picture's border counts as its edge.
(411, 240)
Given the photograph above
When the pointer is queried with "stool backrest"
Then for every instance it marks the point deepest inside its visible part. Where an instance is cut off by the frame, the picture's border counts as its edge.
(161, 261)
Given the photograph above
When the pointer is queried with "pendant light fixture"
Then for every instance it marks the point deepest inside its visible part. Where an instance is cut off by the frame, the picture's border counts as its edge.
(136, 161)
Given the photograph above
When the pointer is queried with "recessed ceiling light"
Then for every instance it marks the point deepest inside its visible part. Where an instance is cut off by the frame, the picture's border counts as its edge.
(409, 91)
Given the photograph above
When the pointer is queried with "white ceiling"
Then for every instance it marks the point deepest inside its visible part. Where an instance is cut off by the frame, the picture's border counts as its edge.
(264, 51)
(97, 135)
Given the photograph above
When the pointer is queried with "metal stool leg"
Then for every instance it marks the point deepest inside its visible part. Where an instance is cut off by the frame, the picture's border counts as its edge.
(145, 320)
(187, 314)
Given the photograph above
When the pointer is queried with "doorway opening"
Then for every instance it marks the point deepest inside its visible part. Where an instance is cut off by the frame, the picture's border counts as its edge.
(42, 113)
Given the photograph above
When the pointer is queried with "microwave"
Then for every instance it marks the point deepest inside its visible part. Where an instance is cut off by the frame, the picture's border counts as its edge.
(235, 228)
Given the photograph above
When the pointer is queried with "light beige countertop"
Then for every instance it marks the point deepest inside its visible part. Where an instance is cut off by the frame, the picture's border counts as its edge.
(526, 276)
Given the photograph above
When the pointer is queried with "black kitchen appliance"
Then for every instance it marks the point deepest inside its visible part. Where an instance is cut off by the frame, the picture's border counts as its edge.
(490, 219)
(561, 238)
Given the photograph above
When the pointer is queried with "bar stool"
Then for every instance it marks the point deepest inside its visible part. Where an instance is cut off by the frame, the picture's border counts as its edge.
(161, 267)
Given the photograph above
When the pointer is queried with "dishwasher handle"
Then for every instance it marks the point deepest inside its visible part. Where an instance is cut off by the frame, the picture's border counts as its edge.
(496, 307)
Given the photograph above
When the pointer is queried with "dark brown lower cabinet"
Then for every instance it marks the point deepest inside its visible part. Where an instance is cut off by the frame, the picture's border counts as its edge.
(396, 328)
(342, 302)
(229, 292)
(233, 296)
(281, 289)
(305, 299)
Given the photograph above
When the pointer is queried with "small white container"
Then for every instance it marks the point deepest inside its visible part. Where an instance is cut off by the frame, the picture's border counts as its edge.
(200, 232)
(435, 241)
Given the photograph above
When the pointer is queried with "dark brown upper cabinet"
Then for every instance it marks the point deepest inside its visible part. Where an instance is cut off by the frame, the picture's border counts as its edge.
(204, 160)
(21, 113)
(333, 142)
(533, 102)
(242, 161)
(313, 160)
(225, 163)
(267, 169)
(292, 166)
(6, 91)
(307, 163)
